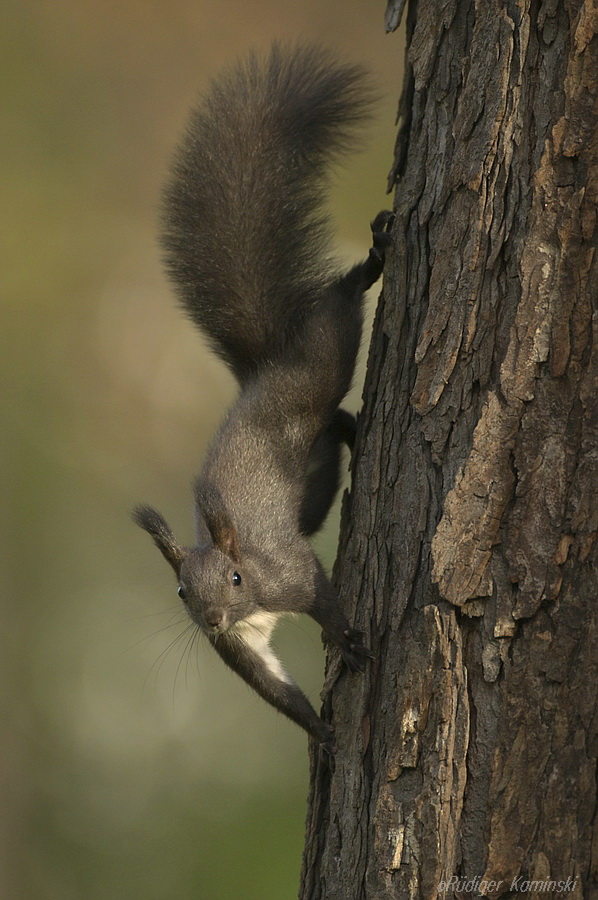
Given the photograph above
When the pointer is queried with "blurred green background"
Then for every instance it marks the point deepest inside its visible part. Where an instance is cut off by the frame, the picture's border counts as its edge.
(132, 763)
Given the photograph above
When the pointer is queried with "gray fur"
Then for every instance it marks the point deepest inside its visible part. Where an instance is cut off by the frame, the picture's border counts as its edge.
(246, 244)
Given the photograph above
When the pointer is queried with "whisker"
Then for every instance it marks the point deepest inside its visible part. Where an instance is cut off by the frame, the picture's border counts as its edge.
(162, 612)
(148, 637)
(178, 668)
(195, 641)
(297, 625)
(159, 662)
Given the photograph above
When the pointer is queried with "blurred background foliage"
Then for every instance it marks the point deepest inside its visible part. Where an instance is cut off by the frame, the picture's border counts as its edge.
(132, 763)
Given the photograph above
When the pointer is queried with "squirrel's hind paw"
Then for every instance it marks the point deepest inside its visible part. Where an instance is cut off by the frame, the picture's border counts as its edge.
(381, 226)
(383, 222)
(355, 653)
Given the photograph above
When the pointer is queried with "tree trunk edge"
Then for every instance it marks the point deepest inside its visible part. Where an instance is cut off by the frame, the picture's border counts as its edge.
(468, 750)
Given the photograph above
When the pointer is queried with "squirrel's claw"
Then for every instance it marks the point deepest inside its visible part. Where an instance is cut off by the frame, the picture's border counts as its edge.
(325, 741)
(328, 748)
(381, 238)
(381, 226)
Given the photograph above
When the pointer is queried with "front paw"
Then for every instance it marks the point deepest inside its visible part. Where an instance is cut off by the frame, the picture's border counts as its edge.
(354, 651)
(328, 748)
(325, 739)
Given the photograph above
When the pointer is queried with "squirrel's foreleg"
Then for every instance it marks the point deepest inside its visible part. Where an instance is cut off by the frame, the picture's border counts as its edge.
(248, 653)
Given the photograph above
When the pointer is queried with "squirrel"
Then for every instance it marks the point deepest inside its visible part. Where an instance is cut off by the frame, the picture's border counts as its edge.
(244, 238)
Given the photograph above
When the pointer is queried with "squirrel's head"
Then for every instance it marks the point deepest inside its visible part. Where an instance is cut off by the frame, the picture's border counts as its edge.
(212, 582)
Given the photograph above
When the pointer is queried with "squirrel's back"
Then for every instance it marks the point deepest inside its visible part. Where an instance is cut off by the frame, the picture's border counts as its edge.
(244, 233)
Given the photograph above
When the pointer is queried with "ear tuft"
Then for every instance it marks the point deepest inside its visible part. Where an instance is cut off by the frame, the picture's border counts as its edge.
(156, 526)
(213, 517)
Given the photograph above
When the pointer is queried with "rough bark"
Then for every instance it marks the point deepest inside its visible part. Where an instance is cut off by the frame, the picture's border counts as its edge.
(468, 550)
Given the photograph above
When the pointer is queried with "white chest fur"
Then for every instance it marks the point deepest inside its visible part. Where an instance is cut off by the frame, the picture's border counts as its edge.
(256, 631)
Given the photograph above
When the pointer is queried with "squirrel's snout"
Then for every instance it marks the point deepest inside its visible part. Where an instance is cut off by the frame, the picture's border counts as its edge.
(215, 619)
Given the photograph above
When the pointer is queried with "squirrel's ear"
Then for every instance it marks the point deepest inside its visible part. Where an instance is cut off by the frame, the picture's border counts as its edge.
(213, 521)
(218, 528)
(224, 536)
(152, 522)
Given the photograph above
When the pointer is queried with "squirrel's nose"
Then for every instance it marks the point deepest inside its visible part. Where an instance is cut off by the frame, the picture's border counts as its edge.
(214, 618)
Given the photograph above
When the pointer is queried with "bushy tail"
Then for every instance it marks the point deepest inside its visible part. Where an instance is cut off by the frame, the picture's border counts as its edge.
(244, 232)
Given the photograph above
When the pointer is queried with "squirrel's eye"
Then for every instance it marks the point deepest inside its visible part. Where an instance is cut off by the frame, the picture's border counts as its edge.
(236, 579)
(181, 592)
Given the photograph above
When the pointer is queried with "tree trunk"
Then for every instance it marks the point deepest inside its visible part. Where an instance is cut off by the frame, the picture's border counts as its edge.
(468, 750)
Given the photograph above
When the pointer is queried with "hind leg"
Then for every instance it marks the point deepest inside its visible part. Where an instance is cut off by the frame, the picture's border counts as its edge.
(324, 471)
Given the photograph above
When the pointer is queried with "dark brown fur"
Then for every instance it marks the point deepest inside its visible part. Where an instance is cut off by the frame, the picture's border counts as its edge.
(246, 246)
